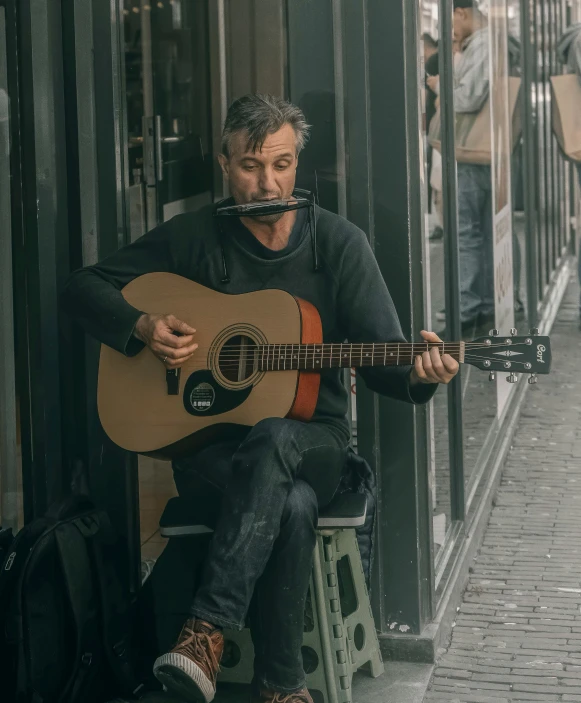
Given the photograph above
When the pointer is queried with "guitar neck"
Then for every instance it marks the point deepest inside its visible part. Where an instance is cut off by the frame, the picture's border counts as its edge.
(313, 357)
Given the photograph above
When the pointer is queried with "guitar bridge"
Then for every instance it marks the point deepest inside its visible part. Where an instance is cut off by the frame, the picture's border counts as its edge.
(172, 377)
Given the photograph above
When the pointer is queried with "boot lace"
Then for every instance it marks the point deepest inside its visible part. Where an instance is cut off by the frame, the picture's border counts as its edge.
(300, 697)
(198, 646)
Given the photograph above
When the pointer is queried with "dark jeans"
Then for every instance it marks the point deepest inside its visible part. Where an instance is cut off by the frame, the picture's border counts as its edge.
(266, 493)
(578, 166)
(475, 244)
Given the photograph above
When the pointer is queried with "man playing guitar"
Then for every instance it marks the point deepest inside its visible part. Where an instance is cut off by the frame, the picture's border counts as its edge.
(268, 484)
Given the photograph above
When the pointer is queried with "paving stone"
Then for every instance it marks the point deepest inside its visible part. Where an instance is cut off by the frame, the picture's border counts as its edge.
(517, 635)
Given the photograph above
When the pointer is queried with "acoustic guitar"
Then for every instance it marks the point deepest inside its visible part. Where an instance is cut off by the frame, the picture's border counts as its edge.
(260, 355)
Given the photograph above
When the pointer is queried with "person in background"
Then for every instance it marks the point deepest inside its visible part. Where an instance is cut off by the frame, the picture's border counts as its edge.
(569, 53)
(514, 51)
(471, 90)
(435, 167)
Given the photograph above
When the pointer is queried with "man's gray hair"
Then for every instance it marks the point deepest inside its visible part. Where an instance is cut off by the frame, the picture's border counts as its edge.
(261, 115)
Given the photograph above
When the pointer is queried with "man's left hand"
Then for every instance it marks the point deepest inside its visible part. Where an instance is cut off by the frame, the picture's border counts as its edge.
(433, 367)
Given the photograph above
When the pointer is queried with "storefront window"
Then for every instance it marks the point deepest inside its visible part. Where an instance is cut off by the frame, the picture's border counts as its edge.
(168, 110)
(486, 81)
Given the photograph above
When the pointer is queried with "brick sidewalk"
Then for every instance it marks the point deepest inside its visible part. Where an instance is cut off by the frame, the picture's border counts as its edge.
(517, 636)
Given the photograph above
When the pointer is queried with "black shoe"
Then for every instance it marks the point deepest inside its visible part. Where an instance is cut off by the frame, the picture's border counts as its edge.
(438, 233)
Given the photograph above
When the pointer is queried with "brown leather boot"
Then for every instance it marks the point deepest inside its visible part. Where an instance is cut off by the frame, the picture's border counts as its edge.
(266, 696)
(191, 667)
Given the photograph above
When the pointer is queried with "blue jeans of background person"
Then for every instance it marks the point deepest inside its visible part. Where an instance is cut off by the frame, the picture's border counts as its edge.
(579, 245)
(475, 243)
(266, 492)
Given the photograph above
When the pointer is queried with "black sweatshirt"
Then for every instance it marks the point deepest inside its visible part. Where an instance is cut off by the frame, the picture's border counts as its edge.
(349, 291)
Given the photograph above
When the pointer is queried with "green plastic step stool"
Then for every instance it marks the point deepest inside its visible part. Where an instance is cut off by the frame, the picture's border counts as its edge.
(340, 636)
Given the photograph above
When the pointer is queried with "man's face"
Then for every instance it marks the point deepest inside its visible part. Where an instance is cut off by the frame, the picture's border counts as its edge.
(268, 174)
(462, 23)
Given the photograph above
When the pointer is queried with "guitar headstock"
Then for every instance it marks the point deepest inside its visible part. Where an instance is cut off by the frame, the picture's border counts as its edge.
(513, 354)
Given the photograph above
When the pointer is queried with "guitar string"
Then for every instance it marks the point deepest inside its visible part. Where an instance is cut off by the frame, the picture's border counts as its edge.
(231, 351)
(271, 351)
(264, 364)
(376, 344)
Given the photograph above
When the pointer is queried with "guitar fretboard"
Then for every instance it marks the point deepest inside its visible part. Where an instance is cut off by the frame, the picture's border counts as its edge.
(313, 357)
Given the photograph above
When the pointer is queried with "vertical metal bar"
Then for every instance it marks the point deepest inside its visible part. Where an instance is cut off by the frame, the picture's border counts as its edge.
(146, 59)
(562, 162)
(43, 255)
(558, 161)
(451, 256)
(338, 59)
(546, 148)
(551, 139)
(403, 557)
(217, 41)
(556, 155)
(14, 48)
(530, 150)
(360, 199)
(415, 85)
(8, 408)
(112, 472)
(150, 139)
(85, 107)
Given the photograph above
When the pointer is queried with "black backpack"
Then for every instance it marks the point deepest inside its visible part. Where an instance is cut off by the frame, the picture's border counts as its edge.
(64, 618)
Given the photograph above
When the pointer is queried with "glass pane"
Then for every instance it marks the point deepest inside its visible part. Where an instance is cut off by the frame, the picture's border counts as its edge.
(484, 215)
(518, 175)
(10, 450)
(435, 283)
(168, 110)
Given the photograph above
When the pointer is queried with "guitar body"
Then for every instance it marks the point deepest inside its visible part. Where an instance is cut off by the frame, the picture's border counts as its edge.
(219, 391)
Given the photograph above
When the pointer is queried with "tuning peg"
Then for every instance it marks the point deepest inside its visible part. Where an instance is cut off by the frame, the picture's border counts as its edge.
(494, 333)
(492, 376)
(533, 379)
(535, 331)
(514, 332)
(513, 378)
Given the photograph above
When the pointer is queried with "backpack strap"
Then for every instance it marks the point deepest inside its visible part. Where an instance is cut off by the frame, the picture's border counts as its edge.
(76, 569)
(115, 617)
(11, 578)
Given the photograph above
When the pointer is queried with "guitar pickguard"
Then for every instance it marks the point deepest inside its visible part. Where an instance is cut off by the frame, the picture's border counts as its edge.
(204, 396)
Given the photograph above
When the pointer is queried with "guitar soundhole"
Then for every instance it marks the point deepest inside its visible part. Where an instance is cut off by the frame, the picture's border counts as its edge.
(237, 359)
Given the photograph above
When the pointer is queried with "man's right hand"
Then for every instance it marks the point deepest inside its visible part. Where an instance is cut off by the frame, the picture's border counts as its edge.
(170, 339)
